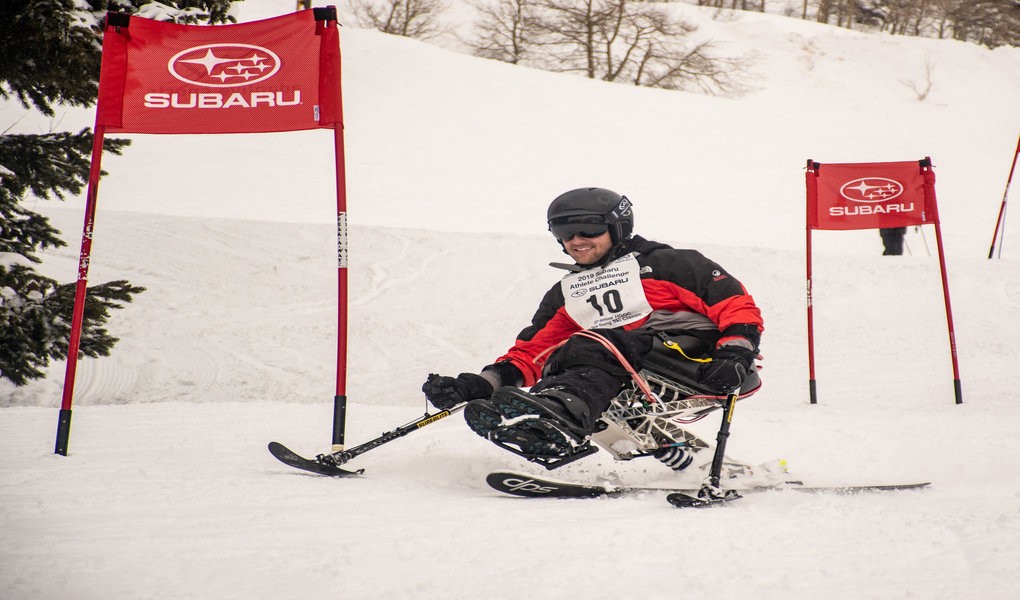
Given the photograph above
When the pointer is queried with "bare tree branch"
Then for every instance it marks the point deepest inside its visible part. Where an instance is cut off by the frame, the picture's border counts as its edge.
(625, 41)
(418, 19)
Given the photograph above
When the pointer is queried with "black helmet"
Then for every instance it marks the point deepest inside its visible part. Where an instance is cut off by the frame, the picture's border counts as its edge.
(615, 210)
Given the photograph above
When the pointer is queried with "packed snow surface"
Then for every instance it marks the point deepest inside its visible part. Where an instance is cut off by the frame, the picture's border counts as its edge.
(168, 492)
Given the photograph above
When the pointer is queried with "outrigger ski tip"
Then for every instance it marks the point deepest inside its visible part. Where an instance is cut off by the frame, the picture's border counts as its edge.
(329, 464)
(706, 496)
(317, 466)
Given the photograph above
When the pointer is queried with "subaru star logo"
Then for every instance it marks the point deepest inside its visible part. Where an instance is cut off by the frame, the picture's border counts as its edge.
(224, 65)
(871, 189)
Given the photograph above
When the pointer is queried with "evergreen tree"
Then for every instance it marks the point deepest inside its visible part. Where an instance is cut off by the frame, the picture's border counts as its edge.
(50, 52)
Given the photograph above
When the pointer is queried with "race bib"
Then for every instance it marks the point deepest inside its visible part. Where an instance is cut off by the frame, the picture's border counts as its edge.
(608, 297)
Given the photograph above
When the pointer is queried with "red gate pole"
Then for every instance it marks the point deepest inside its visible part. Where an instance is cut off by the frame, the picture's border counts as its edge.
(340, 399)
(957, 387)
(812, 386)
(80, 291)
(929, 191)
(811, 183)
(1002, 208)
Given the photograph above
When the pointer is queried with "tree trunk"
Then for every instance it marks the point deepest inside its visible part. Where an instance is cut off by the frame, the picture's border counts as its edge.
(824, 9)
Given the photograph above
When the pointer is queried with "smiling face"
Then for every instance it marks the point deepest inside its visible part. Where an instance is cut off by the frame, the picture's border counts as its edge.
(588, 251)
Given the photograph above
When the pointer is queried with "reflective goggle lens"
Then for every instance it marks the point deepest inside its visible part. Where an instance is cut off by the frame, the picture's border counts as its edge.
(566, 231)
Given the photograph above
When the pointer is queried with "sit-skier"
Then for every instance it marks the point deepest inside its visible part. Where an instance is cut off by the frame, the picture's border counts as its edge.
(624, 291)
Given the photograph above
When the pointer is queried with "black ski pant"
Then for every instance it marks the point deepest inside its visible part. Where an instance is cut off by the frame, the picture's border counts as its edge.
(892, 240)
(586, 369)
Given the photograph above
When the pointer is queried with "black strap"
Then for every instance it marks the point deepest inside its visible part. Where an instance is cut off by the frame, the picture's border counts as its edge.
(744, 330)
(325, 13)
(118, 19)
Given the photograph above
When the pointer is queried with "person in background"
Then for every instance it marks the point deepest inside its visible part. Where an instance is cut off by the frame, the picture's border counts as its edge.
(892, 239)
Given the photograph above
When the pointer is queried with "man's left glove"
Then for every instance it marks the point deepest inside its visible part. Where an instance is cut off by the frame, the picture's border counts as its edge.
(729, 366)
(447, 392)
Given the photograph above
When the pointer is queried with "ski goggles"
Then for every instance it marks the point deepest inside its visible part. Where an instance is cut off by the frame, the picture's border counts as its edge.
(586, 227)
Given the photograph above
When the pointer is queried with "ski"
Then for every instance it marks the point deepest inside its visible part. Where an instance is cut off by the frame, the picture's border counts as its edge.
(319, 467)
(709, 497)
(527, 486)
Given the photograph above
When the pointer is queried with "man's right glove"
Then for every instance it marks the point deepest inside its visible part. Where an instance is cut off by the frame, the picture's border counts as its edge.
(447, 392)
(729, 366)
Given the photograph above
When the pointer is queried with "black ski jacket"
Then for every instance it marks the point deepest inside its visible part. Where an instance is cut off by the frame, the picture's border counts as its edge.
(685, 290)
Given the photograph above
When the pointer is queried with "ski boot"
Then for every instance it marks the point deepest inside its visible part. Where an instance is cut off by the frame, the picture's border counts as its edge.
(548, 427)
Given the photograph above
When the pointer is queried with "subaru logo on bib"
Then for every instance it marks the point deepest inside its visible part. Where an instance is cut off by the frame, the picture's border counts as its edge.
(608, 297)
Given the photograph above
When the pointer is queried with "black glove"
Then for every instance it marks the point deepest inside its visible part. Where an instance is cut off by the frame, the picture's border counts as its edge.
(447, 392)
(729, 366)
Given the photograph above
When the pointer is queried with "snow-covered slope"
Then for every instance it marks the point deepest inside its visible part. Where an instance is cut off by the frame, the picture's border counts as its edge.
(168, 491)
